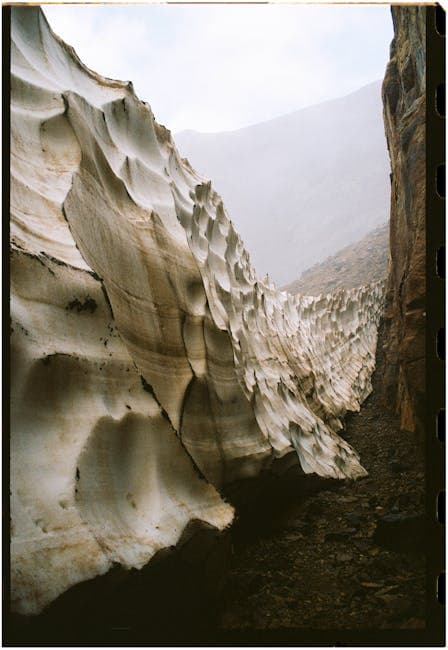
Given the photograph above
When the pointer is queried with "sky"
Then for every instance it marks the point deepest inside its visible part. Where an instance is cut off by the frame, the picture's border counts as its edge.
(218, 68)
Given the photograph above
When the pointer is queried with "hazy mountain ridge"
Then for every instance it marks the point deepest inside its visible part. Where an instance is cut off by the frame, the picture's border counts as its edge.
(360, 263)
(279, 184)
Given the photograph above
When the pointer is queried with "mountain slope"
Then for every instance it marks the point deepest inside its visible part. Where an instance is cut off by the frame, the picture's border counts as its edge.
(302, 186)
(360, 263)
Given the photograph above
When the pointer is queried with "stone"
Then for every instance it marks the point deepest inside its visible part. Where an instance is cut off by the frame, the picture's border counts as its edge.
(401, 532)
(340, 535)
(353, 519)
(398, 467)
(395, 606)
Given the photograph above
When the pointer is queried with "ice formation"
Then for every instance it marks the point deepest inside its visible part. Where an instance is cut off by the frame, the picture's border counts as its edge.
(150, 365)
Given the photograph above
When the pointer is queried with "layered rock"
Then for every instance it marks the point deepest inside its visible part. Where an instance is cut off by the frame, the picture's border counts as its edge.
(151, 365)
(404, 118)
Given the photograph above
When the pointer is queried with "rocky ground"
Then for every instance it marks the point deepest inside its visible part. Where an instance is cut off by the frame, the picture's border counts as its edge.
(347, 556)
(357, 264)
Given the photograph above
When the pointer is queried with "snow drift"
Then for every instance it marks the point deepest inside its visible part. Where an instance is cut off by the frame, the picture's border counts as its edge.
(150, 365)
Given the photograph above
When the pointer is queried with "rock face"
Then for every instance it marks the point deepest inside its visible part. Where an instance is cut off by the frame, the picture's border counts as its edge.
(404, 118)
(151, 365)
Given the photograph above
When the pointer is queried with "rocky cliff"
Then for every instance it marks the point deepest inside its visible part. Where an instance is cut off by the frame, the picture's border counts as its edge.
(404, 118)
(151, 366)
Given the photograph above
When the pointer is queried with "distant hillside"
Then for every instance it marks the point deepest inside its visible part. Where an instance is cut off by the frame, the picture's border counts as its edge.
(302, 186)
(355, 265)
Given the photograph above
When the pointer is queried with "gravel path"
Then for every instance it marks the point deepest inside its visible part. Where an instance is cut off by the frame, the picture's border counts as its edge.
(348, 556)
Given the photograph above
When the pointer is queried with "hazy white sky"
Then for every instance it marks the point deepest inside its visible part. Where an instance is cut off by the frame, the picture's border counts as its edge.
(215, 68)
